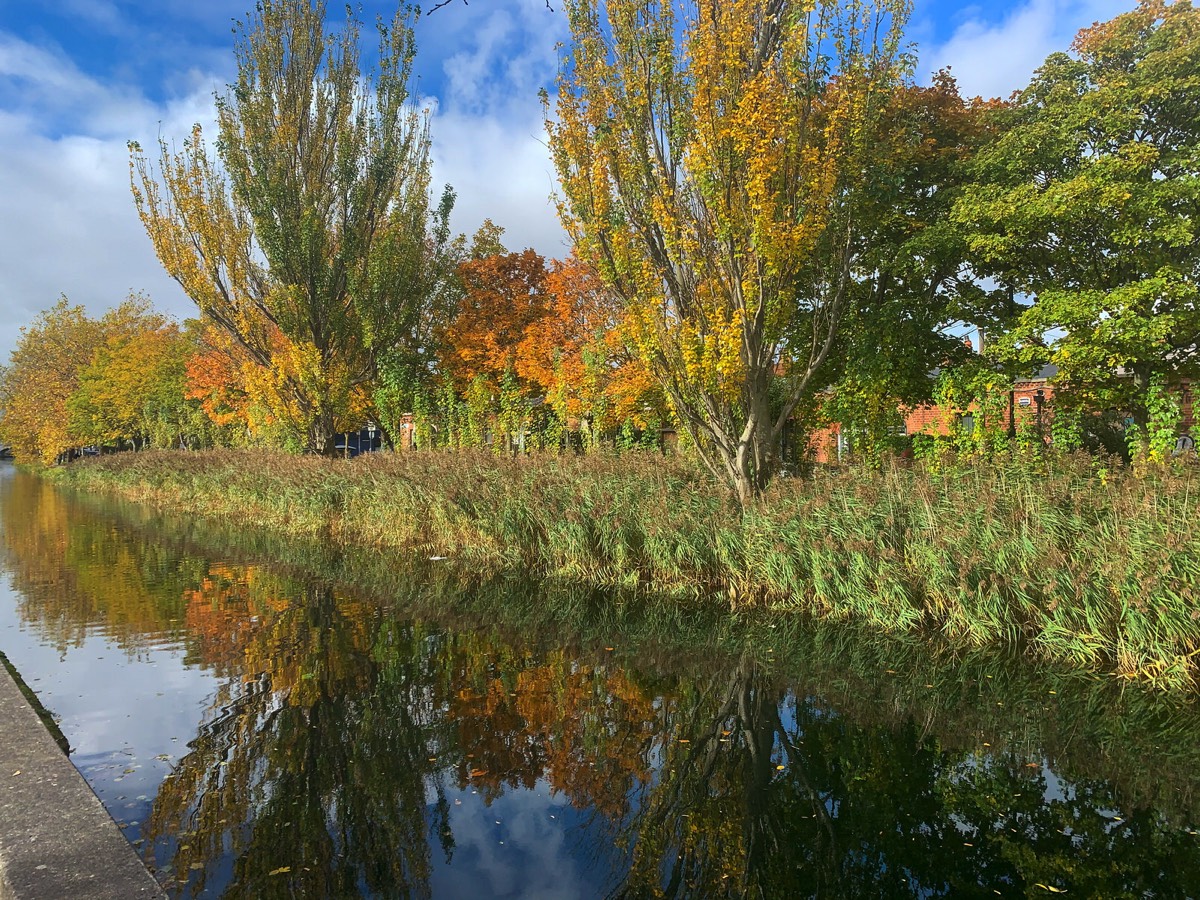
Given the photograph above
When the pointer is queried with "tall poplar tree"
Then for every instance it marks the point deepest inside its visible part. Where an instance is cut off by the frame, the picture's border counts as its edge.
(303, 233)
(709, 160)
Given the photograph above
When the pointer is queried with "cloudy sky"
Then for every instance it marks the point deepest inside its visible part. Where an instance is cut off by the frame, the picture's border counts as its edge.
(80, 78)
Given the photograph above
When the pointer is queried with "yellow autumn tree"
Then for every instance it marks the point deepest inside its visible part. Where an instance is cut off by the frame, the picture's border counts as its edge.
(709, 154)
(132, 389)
(42, 373)
(303, 233)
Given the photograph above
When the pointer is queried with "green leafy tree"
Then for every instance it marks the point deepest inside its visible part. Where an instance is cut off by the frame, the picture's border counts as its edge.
(1087, 202)
(408, 372)
(304, 235)
(914, 262)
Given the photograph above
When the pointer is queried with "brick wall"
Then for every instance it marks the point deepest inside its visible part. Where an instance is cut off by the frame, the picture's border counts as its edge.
(931, 419)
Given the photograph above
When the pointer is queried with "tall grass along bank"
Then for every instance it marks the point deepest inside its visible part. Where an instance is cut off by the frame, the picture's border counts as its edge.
(1067, 562)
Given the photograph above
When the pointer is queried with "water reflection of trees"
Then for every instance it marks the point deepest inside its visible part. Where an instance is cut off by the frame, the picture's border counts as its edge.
(767, 793)
(333, 761)
(329, 763)
(312, 776)
(326, 769)
(79, 571)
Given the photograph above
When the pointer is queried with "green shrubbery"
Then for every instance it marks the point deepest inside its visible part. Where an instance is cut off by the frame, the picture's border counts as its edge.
(1059, 556)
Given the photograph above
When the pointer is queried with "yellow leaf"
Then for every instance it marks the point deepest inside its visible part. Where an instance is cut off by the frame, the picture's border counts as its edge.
(282, 870)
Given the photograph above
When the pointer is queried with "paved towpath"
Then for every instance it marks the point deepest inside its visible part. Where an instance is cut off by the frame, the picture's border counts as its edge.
(56, 839)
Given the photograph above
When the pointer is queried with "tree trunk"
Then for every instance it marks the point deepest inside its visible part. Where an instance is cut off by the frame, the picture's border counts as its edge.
(321, 434)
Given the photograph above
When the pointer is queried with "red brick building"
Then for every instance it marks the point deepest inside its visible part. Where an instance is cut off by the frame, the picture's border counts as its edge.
(1030, 404)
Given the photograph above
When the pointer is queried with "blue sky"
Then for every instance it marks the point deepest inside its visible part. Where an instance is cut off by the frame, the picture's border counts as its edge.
(79, 78)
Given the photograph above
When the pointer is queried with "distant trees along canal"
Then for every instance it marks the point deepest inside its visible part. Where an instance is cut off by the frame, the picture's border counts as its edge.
(769, 237)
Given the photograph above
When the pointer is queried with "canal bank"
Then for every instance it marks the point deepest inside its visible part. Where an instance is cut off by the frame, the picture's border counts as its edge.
(1046, 556)
(56, 839)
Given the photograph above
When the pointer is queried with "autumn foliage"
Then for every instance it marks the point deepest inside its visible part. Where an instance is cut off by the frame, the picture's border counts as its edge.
(503, 296)
(775, 228)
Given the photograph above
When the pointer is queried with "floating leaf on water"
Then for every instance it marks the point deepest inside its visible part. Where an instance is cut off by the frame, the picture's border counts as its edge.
(282, 870)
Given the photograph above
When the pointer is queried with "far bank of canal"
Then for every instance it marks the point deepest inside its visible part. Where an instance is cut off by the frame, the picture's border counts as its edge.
(269, 718)
(1058, 557)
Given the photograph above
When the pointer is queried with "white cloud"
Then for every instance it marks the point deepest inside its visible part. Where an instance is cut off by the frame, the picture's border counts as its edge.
(995, 59)
(69, 224)
(489, 139)
(44, 84)
(501, 169)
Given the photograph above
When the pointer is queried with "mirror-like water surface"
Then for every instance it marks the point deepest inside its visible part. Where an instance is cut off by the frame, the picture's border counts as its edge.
(261, 728)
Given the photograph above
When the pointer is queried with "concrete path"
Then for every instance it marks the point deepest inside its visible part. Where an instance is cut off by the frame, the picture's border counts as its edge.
(57, 842)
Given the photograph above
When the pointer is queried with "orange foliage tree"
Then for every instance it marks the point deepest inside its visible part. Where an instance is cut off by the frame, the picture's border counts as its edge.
(214, 379)
(576, 353)
(504, 296)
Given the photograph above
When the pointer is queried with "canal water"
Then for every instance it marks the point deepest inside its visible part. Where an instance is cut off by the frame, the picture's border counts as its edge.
(278, 720)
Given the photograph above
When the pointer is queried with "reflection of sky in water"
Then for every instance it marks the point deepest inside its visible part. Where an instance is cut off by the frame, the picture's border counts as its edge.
(527, 843)
(128, 715)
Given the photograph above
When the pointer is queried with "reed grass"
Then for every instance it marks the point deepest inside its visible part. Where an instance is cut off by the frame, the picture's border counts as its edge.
(1057, 558)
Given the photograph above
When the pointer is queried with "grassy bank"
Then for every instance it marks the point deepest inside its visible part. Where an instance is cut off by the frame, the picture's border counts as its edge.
(1100, 572)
